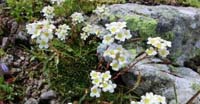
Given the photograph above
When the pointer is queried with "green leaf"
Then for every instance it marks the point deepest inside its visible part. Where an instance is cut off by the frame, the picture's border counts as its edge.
(1, 80)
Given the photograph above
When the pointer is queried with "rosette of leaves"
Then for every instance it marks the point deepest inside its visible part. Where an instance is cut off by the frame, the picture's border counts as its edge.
(23, 10)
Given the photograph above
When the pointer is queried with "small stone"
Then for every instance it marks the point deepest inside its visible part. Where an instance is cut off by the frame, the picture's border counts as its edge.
(31, 101)
(48, 95)
(22, 58)
(28, 90)
(54, 102)
(14, 70)
(40, 83)
(34, 94)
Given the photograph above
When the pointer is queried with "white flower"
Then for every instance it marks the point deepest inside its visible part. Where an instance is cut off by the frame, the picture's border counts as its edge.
(45, 35)
(94, 74)
(84, 36)
(111, 53)
(93, 30)
(42, 43)
(115, 65)
(39, 27)
(106, 86)
(121, 25)
(87, 28)
(77, 17)
(101, 11)
(113, 87)
(57, 1)
(96, 30)
(34, 29)
(95, 92)
(106, 76)
(167, 43)
(120, 49)
(120, 36)
(62, 31)
(153, 41)
(47, 31)
(160, 99)
(127, 33)
(108, 39)
(122, 59)
(151, 51)
(97, 81)
(163, 52)
(29, 28)
(114, 27)
(148, 98)
(160, 45)
(133, 102)
(48, 12)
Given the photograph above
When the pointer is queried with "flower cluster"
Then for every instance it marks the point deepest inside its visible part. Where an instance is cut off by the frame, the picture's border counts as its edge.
(92, 30)
(159, 46)
(62, 31)
(120, 57)
(42, 30)
(101, 11)
(112, 52)
(101, 82)
(77, 18)
(57, 1)
(48, 12)
(150, 98)
(117, 31)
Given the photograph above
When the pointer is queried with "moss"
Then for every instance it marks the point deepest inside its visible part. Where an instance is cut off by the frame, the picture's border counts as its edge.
(196, 86)
(168, 35)
(194, 3)
(68, 74)
(145, 26)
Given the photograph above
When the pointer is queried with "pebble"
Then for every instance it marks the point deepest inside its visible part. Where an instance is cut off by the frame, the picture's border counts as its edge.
(31, 101)
(48, 95)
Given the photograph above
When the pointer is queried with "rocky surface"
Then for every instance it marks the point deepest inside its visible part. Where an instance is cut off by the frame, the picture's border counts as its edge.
(179, 24)
(165, 80)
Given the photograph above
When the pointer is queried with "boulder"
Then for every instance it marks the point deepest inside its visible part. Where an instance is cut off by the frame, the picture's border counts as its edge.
(178, 24)
(179, 83)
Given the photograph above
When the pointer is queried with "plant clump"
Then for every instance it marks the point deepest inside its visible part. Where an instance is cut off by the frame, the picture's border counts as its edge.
(72, 50)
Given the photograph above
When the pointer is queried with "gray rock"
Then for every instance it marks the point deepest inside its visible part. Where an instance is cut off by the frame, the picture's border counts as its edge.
(182, 22)
(164, 80)
(31, 101)
(48, 95)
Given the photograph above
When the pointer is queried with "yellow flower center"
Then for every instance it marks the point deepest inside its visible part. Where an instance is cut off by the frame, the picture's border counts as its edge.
(146, 101)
